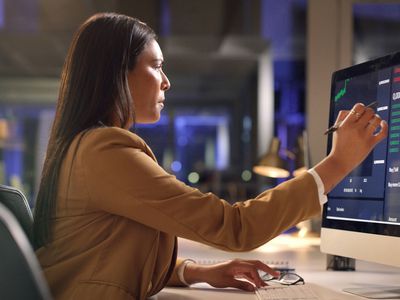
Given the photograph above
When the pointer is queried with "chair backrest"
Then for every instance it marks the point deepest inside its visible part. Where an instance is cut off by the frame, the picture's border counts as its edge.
(20, 273)
(16, 202)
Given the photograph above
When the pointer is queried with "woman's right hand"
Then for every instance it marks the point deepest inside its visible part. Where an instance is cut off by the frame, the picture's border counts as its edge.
(356, 136)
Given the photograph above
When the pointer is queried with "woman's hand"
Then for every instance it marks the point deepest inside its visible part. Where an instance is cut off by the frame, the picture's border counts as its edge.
(229, 273)
(356, 136)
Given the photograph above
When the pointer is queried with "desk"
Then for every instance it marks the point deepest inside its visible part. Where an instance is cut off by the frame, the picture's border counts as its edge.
(303, 254)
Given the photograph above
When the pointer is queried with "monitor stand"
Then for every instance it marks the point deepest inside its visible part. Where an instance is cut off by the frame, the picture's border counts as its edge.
(376, 292)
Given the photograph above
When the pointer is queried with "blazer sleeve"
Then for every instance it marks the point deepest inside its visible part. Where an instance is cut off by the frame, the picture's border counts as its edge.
(123, 179)
(174, 279)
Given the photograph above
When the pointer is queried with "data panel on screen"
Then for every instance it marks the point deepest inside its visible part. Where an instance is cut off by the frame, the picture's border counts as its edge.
(371, 193)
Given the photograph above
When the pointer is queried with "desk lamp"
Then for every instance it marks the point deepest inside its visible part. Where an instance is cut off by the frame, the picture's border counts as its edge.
(3, 129)
(271, 164)
(302, 155)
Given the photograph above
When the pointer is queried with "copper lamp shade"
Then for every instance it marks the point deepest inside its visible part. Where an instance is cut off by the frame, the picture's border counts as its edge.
(271, 164)
(302, 155)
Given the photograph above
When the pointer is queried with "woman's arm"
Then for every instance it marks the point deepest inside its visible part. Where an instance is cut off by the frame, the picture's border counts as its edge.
(123, 179)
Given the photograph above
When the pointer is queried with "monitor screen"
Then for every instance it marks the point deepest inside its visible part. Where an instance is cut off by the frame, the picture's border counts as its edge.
(362, 216)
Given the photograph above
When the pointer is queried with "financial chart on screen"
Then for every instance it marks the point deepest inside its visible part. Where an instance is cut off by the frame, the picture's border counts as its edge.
(371, 193)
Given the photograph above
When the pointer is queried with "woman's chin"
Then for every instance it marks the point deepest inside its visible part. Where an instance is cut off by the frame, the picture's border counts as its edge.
(148, 120)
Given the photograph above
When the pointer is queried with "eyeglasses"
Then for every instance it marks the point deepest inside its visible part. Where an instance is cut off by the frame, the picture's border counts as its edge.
(286, 278)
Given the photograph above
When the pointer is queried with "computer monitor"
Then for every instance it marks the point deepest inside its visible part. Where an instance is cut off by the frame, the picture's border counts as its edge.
(362, 216)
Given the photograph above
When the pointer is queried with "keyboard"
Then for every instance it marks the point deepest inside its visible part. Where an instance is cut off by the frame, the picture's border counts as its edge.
(282, 292)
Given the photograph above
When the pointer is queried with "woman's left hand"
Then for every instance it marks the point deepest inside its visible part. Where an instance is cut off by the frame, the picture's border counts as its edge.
(229, 274)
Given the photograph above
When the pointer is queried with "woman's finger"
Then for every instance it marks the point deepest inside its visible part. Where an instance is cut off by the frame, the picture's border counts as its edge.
(263, 267)
(366, 117)
(341, 116)
(382, 133)
(258, 282)
(356, 112)
(255, 277)
(373, 124)
(249, 269)
(243, 285)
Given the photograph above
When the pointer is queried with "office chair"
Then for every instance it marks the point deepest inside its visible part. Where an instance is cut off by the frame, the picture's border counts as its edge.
(16, 202)
(20, 273)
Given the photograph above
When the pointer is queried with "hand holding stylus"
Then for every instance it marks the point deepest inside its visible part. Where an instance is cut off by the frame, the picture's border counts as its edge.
(356, 135)
(336, 126)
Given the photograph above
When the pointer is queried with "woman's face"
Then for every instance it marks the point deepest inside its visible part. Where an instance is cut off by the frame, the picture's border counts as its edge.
(148, 83)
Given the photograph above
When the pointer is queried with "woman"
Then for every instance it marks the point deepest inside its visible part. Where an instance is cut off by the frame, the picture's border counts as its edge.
(107, 216)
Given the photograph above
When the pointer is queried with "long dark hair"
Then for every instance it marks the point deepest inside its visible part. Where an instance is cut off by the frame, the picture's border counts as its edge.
(94, 89)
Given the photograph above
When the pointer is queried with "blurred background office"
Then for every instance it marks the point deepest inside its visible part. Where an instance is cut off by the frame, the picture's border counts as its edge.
(248, 77)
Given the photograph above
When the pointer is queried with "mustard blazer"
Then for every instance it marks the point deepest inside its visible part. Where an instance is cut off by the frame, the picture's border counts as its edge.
(119, 213)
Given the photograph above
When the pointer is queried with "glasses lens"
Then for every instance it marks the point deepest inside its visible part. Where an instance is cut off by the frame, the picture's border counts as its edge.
(267, 277)
(290, 278)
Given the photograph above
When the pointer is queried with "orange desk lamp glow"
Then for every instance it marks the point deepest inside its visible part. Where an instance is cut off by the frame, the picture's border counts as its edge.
(271, 164)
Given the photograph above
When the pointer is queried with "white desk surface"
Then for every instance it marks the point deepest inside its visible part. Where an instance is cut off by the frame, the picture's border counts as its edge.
(302, 253)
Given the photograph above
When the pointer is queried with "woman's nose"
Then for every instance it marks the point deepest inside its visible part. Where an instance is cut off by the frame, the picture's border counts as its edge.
(165, 84)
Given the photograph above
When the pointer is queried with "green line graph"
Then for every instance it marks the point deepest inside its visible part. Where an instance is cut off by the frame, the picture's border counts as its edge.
(342, 91)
